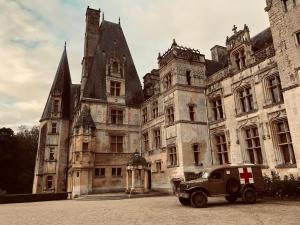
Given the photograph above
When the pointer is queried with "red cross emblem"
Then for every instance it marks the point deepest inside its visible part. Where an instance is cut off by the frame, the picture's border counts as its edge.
(246, 175)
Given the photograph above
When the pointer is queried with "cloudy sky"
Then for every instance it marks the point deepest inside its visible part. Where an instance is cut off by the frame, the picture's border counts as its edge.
(33, 32)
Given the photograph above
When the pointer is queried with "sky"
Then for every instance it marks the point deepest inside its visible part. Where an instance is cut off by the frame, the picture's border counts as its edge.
(33, 33)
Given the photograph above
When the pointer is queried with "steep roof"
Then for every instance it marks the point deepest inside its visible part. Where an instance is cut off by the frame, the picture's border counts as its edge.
(262, 39)
(60, 87)
(112, 44)
(212, 67)
(85, 118)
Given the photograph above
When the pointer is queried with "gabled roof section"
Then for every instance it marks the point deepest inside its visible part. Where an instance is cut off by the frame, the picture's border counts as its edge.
(60, 88)
(112, 44)
(85, 118)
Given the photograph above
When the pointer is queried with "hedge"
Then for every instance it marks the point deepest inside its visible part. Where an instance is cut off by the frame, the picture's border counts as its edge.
(18, 198)
(288, 187)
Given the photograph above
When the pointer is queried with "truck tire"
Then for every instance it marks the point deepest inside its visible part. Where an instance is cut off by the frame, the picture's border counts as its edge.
(233, 186)
(249, 195)
(199, 199)
(184, 201)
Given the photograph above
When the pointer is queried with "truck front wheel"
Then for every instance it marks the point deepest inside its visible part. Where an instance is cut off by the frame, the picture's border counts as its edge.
(198, 199)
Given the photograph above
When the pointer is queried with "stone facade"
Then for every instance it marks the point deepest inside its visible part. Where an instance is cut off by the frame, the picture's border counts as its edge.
(239, 107)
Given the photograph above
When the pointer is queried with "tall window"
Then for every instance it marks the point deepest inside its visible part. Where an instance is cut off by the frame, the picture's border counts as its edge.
(55, 106)
(116, 172)
(115, 88)
(243, 59)
(172, 156)
(85, 146)
(285, 141)
(51, 153)
(253, 145)
(217, 108)
(298, 33)
(115, 67)
(154, 109)
(145, 115)
(246, 99)
(192, 112)
(168, 80)
(288, 4)
(156, 134)
(222, 150)
(116, 116)
(54, 128)
(99, 172)
(49, 182)
(146, 141)
(237, 61)
(170, 115)
(116, 143)
(188, 77)
(196, 151)
(158, 166)
(275, 90)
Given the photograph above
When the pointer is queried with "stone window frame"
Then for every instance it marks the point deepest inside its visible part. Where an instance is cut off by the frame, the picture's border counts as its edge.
(119, 140)
(115, 88)
(192, 111)
(110, 69)
(170, 115)
(116, 172)
(154, 109)
(279, 157)
(99, 172)
(54, 127)
(188, 77)
(56, 106)
(212, 116)
(297, 37)
(158, 166)
(85, 146)
(237, 99)
(145, 114)
(116, 116)
(146, 143)
(267, 92)
(49, 180)
(167, 80)
(196, 153)
(156, 143)
(52, 153)
(239, 58)
(252, 138)
(221, 148)
(172, 156)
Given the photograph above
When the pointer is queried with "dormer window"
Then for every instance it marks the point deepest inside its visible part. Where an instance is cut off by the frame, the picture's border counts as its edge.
(168, 80)
(243, 59)
(55, 106)
(115, 88)
(115, 67)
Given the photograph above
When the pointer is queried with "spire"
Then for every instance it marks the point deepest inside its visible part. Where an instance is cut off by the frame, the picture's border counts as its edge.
(119, 21)
(102, 16)
(61, 87)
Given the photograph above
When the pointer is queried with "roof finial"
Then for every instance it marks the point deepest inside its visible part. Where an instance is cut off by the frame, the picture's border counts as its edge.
(159, 56)
(119, 21)
(103, 16)
(234, 29)
(65, 44)
(174, 42)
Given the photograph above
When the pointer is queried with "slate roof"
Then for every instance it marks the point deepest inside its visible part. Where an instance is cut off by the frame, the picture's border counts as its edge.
(61, 86)
(112, 44)
(262, 40)
(137, 160)
(213, 66)
(85, 118)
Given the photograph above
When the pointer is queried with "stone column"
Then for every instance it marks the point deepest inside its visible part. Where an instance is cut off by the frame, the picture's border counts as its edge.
(146, 180)
(133, 178)
(127, 180)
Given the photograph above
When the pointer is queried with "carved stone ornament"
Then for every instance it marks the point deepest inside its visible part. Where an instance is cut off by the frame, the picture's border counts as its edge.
(269, 5)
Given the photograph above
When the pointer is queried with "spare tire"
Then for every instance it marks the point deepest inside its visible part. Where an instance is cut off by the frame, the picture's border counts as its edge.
(233, 186)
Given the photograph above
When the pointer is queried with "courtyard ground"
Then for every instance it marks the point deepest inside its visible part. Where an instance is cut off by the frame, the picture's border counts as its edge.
(97, 210)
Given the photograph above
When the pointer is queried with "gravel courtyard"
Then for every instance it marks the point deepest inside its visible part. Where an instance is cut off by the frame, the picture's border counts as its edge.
(150, 210)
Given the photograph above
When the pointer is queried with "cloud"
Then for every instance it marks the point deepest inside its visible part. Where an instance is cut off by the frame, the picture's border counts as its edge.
(33, 32)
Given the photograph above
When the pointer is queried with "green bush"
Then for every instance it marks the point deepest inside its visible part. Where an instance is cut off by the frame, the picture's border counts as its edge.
(288, 187)
(32, 197)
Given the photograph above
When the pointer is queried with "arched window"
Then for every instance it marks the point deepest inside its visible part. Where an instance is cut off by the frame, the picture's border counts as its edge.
(115, 67)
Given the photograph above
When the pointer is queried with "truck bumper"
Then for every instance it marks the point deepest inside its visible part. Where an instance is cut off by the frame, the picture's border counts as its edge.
(183, 195)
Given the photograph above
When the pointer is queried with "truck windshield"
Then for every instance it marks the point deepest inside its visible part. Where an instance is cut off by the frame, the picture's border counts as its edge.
(204, 174)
